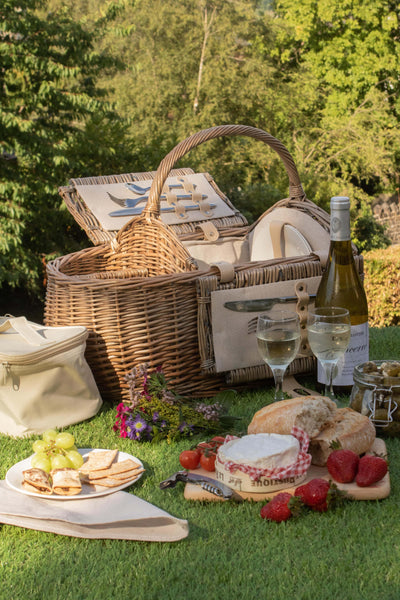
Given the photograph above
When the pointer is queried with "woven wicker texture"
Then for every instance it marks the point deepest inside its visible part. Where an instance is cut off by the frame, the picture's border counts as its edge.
(138, 295)
(227, 226)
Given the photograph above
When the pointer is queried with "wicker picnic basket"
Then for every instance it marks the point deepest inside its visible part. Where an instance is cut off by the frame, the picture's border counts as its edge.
(144, 300)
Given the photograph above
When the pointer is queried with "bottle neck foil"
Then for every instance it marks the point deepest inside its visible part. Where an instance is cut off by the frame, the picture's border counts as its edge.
(340, 219)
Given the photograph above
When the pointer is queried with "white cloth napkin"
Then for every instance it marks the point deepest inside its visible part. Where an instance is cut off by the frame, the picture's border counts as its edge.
(118, 516)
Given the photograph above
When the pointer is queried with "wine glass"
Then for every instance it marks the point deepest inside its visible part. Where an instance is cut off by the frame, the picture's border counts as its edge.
(328, 336)
(278, 340)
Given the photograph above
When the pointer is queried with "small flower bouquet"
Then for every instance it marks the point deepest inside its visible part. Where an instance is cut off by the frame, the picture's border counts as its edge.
(154, 412)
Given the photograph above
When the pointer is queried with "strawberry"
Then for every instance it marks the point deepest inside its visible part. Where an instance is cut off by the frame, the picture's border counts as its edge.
(371, 469)
(323, 507)
(277, 509)
(314, 493)
(342, 465)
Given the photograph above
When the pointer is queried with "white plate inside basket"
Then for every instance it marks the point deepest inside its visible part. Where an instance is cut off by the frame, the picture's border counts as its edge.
(294, 242)
(14, 479)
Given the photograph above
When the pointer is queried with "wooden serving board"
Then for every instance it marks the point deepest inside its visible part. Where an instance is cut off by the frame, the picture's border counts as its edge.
(374, 492)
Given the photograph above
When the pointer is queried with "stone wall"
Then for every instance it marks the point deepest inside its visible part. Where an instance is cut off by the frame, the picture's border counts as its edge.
(386, 211)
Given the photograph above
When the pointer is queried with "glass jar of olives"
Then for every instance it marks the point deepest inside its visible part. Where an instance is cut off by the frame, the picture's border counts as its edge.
(376, 393)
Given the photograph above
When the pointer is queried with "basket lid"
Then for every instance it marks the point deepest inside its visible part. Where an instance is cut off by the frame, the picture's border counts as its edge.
(190, 201)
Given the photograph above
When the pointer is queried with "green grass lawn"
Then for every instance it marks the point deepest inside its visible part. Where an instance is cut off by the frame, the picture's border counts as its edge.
(351, 553)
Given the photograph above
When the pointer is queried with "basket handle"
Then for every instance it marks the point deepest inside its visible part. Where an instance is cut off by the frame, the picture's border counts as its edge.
(22, 326)
(165, 166)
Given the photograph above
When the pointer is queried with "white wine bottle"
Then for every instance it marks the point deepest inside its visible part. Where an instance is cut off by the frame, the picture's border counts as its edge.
(341, 286)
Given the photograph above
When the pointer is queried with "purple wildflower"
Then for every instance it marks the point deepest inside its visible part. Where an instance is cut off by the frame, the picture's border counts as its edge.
(139, 424)
(156, 415)
(135, 426)
(131, 434)
(186, 428)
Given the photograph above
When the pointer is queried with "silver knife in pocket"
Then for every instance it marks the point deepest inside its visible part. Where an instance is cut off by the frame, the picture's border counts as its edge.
(260, 304)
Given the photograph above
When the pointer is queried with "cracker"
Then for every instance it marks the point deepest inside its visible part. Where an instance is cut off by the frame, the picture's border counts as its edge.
(110, 483)
(94, 477)
(115, 469)
(127, 475)
(97, 461)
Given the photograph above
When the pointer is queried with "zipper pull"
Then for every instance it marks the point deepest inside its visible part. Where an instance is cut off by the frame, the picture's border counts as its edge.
(8, 373)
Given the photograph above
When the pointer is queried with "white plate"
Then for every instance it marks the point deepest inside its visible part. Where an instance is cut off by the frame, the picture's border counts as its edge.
(293, 241)
(14, 479)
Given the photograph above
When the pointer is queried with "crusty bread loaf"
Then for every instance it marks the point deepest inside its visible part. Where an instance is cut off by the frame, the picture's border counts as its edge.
(310, 413)
(351, 429)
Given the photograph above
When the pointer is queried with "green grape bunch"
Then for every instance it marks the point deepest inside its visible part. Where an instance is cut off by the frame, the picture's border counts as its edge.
(56, 450)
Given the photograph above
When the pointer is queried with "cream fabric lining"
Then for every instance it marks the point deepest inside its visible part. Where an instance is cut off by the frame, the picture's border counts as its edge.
(228, 249)
(260, 243)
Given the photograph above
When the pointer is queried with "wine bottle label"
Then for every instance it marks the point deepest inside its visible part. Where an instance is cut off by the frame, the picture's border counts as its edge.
(357, 352)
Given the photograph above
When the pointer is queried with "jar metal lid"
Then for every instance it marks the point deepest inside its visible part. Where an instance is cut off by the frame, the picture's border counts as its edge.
(375, 378)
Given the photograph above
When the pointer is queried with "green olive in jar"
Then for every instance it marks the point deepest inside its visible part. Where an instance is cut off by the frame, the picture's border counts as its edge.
(356, 402)
(369, 367)
(390, 369)
(381, 414)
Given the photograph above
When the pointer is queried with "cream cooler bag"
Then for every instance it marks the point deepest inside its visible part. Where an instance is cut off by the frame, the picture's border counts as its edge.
(45, 380)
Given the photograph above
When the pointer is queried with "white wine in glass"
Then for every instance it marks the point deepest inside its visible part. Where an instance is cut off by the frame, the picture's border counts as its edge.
(278, 340)
(328, 335)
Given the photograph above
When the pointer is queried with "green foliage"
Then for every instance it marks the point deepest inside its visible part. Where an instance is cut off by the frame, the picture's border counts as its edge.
(349, 54)
(193, 64)
(55, 125)
(367, 234)
(318, 77)
(382, 286)
(91, 88)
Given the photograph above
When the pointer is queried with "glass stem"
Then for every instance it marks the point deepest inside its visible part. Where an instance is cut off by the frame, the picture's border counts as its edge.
(278, 377)
(329, 378)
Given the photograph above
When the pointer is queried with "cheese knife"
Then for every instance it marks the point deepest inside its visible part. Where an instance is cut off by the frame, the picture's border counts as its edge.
(206, 483)
(260, 304)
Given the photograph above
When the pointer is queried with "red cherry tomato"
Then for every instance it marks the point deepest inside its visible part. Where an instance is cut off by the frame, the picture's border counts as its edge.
(198, 451)
(218, 439)
(204, 447)
(189, 459)
(207, 461)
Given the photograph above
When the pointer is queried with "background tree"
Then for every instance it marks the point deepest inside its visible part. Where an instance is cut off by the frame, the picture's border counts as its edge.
(55, 124)
(192, 64)
(351, 54)
(317, 76)
(116, 87)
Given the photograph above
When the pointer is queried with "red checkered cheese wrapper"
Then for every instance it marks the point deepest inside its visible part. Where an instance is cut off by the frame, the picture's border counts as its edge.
(296, 469)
